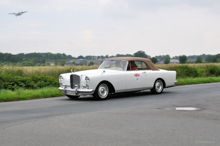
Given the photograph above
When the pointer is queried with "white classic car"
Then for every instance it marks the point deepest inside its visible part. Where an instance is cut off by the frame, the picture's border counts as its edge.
(116, 75)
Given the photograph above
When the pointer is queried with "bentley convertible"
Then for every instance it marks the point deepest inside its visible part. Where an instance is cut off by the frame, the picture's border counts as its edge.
(117, 75)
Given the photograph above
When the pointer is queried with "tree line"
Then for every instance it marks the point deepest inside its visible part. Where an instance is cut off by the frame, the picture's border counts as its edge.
(38, 59)
(183, 58)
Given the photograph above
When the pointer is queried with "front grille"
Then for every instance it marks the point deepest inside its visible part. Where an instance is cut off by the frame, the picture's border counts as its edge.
(74, 80)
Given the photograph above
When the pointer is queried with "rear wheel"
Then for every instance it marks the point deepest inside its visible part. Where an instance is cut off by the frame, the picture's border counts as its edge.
(102, 91)
(72, 97)
(158, 87)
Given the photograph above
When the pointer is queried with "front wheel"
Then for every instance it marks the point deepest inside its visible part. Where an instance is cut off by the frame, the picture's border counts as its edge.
(158, 87)
(72, 97)
(102, 91)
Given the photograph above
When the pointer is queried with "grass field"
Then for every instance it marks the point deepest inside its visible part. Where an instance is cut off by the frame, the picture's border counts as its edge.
(54, 71)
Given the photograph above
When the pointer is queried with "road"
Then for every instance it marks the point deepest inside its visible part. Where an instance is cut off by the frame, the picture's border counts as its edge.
(138, 119)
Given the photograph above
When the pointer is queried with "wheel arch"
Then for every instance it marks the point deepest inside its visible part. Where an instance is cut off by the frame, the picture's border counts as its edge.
(111, 87)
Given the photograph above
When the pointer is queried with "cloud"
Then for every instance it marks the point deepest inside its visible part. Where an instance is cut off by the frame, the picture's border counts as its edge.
(56, 5)
(29, 24)
(87, 35)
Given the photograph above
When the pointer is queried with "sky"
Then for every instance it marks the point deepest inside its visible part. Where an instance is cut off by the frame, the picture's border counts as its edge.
(110, 27)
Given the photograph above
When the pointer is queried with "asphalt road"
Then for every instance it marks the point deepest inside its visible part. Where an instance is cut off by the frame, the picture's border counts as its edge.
(122, 120)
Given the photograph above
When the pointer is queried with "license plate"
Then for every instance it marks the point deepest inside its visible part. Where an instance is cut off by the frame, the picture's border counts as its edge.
(70, 93)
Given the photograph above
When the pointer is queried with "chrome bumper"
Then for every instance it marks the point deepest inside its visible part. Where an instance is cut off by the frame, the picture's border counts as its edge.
(76, 91)
(175, 82)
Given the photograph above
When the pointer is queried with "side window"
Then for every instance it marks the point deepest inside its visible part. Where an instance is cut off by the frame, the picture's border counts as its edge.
(141, 65)
(137, 65)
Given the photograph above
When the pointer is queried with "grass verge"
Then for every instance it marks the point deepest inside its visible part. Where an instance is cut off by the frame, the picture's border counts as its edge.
(28, 94)
(189, 81)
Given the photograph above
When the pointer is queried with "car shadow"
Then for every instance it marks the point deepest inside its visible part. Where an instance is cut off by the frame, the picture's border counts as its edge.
(118, 96)
(134, 94)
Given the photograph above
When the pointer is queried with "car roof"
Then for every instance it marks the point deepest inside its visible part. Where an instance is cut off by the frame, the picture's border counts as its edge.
(147, 61)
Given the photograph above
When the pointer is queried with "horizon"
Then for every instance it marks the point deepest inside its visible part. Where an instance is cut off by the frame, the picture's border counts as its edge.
(116, 54)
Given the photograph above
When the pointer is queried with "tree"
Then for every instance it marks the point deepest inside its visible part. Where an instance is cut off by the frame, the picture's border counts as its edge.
(43, 61)
(217, 56)
(199, 59)
(182, 59)
(91, 63)
(218, 60)
(63, 62)
(154, 60)
(80, 57)
(56, 63)
(214, 59)
(209, 58)
(140, 54)
(34, 61)
(167, 60)
(162, 57)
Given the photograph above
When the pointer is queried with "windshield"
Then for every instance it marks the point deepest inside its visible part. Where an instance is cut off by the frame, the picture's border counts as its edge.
(113, 64)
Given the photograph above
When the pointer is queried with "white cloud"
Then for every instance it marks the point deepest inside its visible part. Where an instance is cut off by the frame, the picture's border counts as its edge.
(87, 35)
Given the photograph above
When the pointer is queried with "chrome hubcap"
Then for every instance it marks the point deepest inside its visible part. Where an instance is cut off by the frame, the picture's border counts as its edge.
(159, 86)
(103, 91)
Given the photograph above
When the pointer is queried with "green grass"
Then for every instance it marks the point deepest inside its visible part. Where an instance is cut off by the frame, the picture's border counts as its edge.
(28, 94)
(189, 81)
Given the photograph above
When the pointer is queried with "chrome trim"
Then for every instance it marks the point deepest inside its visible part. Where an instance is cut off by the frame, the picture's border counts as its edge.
(75, 80)
(135, 89)
(77, 91)
(175, 82)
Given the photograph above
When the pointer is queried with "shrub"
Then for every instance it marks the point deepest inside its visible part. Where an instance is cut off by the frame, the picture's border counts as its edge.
(32, 82)
(213, 70)
(186, 71)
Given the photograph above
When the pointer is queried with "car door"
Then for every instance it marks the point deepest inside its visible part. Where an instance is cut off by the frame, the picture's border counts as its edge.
(136, 79)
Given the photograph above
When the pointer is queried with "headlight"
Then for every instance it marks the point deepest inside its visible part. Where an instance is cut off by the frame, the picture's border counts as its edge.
(87, 79)
(60, 78)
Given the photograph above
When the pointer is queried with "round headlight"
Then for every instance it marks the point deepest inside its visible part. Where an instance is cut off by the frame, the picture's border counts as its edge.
(87, 79)
(60, 78)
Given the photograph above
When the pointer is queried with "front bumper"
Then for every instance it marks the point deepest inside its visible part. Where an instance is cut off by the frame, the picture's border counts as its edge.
(76, 91)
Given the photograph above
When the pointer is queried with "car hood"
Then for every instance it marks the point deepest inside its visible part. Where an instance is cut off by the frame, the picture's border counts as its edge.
(94, 71)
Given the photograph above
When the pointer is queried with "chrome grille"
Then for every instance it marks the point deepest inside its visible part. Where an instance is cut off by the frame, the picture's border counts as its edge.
(74, 80)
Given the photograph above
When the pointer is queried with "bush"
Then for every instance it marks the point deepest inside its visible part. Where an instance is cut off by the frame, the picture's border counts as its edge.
(32, 82)
(213, 70)
(186, 71)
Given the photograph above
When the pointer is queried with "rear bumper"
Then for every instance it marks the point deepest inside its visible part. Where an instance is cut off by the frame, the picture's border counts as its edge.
(175, 82)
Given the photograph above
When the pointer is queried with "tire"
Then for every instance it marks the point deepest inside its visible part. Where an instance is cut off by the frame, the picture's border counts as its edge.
(102, 91)
(72, 97)
(158, 87)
